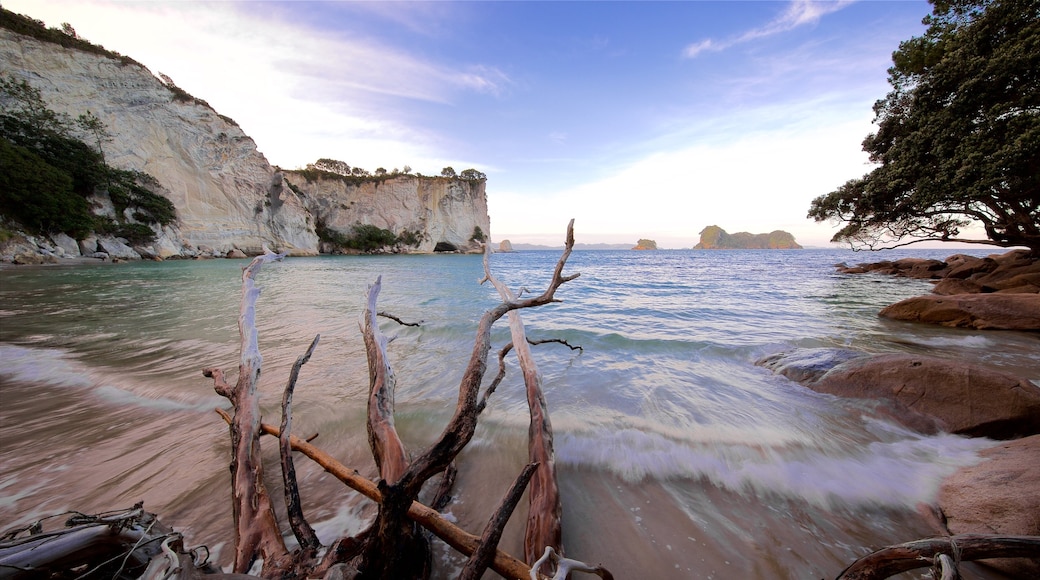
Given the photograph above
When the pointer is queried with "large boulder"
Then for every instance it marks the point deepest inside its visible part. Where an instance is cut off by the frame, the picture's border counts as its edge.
(807, 365)
(1004, 311)
(1001, 495)
(956, 397)
(69, 246)
(116, 248)
(928, 394)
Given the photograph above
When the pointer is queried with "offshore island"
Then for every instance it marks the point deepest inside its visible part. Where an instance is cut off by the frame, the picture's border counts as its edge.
(716, 238)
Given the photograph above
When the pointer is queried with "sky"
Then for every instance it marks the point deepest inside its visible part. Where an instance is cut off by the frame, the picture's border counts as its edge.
(637, 119)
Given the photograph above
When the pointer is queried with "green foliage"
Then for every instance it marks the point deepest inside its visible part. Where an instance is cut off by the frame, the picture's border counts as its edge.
(48, 174)
(448, 172)
(958, 139)
(128, 190)
(409, 238)
(365, 237)
(38, 195)
(472, 175)
(135, 234)
(478, 234)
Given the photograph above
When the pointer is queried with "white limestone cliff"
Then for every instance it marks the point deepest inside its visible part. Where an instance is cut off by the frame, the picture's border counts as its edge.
(226, 194)
(441, 210)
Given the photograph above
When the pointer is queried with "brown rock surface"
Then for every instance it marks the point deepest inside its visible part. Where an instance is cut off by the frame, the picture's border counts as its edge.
(1003, 311)
(1001, 495)
(926, 393)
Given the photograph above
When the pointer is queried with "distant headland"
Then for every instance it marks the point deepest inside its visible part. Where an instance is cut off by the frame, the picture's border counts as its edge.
(716, 238)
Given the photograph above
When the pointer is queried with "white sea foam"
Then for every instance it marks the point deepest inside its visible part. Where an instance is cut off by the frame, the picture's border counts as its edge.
(57, 368)
(902, 472)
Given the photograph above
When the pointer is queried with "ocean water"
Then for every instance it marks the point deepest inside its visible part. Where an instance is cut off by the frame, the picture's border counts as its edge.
(678, 457)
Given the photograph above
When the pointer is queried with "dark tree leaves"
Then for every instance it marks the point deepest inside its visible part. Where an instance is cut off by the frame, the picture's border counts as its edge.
(958, 139)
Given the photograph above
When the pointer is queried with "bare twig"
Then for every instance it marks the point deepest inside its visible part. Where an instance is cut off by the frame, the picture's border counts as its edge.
(557, 341)
(398, 320)
(459, 430)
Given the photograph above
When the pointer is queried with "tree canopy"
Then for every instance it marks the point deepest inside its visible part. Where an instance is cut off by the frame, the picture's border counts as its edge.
(958, 138)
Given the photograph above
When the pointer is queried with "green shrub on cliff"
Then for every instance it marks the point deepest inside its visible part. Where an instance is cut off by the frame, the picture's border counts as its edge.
(47, 174)
(38, 195)
(38, 30)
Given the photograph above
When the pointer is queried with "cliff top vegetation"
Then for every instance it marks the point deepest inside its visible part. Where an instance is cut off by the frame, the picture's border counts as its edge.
(326, 168)
(65, 36)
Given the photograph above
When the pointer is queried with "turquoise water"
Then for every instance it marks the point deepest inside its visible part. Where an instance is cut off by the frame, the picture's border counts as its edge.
(678, 457)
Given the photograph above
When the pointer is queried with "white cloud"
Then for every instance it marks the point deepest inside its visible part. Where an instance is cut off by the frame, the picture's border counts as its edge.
(798, 13)
(760, 182)
(300, 93)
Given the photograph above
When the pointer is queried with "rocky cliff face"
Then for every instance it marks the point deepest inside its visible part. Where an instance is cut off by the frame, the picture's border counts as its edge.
(716, 238)
(444, 213)
(226, 193)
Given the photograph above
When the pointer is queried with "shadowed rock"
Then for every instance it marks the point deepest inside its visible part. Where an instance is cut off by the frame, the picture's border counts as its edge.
(981, 311)
(924, 393)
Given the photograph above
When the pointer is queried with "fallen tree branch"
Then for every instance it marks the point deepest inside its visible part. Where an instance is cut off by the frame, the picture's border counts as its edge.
(544, 516)
(429, 518)
(304, 533)
(893, 560)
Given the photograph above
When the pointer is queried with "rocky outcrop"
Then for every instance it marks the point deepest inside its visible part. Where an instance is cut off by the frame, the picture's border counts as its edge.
(445, 214)
(716, 238)
(1000, 291)
(505, 246)
(645, 244)
(925, 393)
(979, 311)
(1000, 495)
(226, 194)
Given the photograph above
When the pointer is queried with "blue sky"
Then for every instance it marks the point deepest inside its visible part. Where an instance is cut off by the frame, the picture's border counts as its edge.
(638, 119)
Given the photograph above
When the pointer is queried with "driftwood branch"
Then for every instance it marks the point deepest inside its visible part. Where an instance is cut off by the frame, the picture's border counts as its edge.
(442, 496)
(461, 427)
(301, 529)
(490, 390)
(893, 560)
(459, 539)
(480, 559)
(544, 519)
(387, 448)
(564, 566)
(398, 320)
(256, 529)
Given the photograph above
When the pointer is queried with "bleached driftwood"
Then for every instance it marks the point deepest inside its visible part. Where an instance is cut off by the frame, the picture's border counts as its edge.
(893, 560)
(565, 566)
(392, 547)
(544, 520)
(256, 528)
